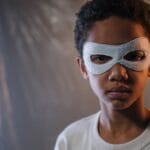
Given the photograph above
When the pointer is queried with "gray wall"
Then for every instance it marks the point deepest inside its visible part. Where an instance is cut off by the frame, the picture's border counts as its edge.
(41, 90)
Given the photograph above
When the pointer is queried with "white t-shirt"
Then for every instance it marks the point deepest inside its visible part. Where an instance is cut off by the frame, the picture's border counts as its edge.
(83, 135)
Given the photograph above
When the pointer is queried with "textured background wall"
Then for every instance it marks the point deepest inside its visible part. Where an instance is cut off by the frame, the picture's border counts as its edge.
(41, 90)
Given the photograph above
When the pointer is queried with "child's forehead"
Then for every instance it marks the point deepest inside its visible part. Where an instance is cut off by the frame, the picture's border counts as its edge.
(115, 30)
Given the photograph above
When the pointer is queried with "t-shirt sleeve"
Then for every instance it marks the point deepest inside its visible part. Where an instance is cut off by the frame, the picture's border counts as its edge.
(61, 143)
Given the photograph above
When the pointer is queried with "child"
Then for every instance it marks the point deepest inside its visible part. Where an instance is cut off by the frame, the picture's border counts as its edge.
(112, 37)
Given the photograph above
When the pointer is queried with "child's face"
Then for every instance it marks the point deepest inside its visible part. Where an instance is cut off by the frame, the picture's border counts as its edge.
(119, 87)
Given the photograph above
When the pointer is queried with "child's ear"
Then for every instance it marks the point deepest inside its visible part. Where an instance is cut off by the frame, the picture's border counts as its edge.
(82, 67)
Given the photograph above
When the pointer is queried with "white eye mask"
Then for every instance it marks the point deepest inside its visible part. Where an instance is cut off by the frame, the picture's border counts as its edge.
(117, 53)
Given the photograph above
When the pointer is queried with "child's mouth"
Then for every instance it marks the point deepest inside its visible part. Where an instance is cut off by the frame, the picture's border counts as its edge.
(119, 92)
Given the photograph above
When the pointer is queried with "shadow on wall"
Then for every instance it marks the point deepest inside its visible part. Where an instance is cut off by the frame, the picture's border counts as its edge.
(41, 90)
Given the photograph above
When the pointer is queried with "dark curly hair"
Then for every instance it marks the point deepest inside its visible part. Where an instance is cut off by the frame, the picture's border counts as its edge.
(97, 10)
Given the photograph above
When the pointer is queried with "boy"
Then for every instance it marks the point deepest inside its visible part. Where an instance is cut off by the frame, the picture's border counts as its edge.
(112, 37)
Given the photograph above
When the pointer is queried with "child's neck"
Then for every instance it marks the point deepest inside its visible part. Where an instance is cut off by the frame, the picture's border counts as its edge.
(123, 126)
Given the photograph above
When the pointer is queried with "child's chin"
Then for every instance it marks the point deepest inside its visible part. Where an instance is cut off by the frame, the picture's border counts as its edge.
(120, 104)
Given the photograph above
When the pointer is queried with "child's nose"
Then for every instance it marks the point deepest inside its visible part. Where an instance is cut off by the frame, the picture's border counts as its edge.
(118, 73)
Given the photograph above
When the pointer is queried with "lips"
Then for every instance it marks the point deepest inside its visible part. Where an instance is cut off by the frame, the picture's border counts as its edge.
(121, 92)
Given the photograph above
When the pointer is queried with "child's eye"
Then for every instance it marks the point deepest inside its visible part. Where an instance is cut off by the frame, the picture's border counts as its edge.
(135, 56)
(100, 59)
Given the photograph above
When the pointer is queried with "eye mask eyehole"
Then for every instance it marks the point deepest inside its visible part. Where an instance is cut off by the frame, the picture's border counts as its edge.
(100, 59)
(137, 55)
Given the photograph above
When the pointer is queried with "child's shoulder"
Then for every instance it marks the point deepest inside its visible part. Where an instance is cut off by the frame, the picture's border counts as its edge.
(81, 127)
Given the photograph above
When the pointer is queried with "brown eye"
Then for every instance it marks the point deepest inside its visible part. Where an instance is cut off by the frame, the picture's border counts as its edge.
(100, 59)
(135, 56)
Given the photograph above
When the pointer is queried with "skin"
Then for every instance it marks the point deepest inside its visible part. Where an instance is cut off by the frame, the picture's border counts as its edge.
(123, 117)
